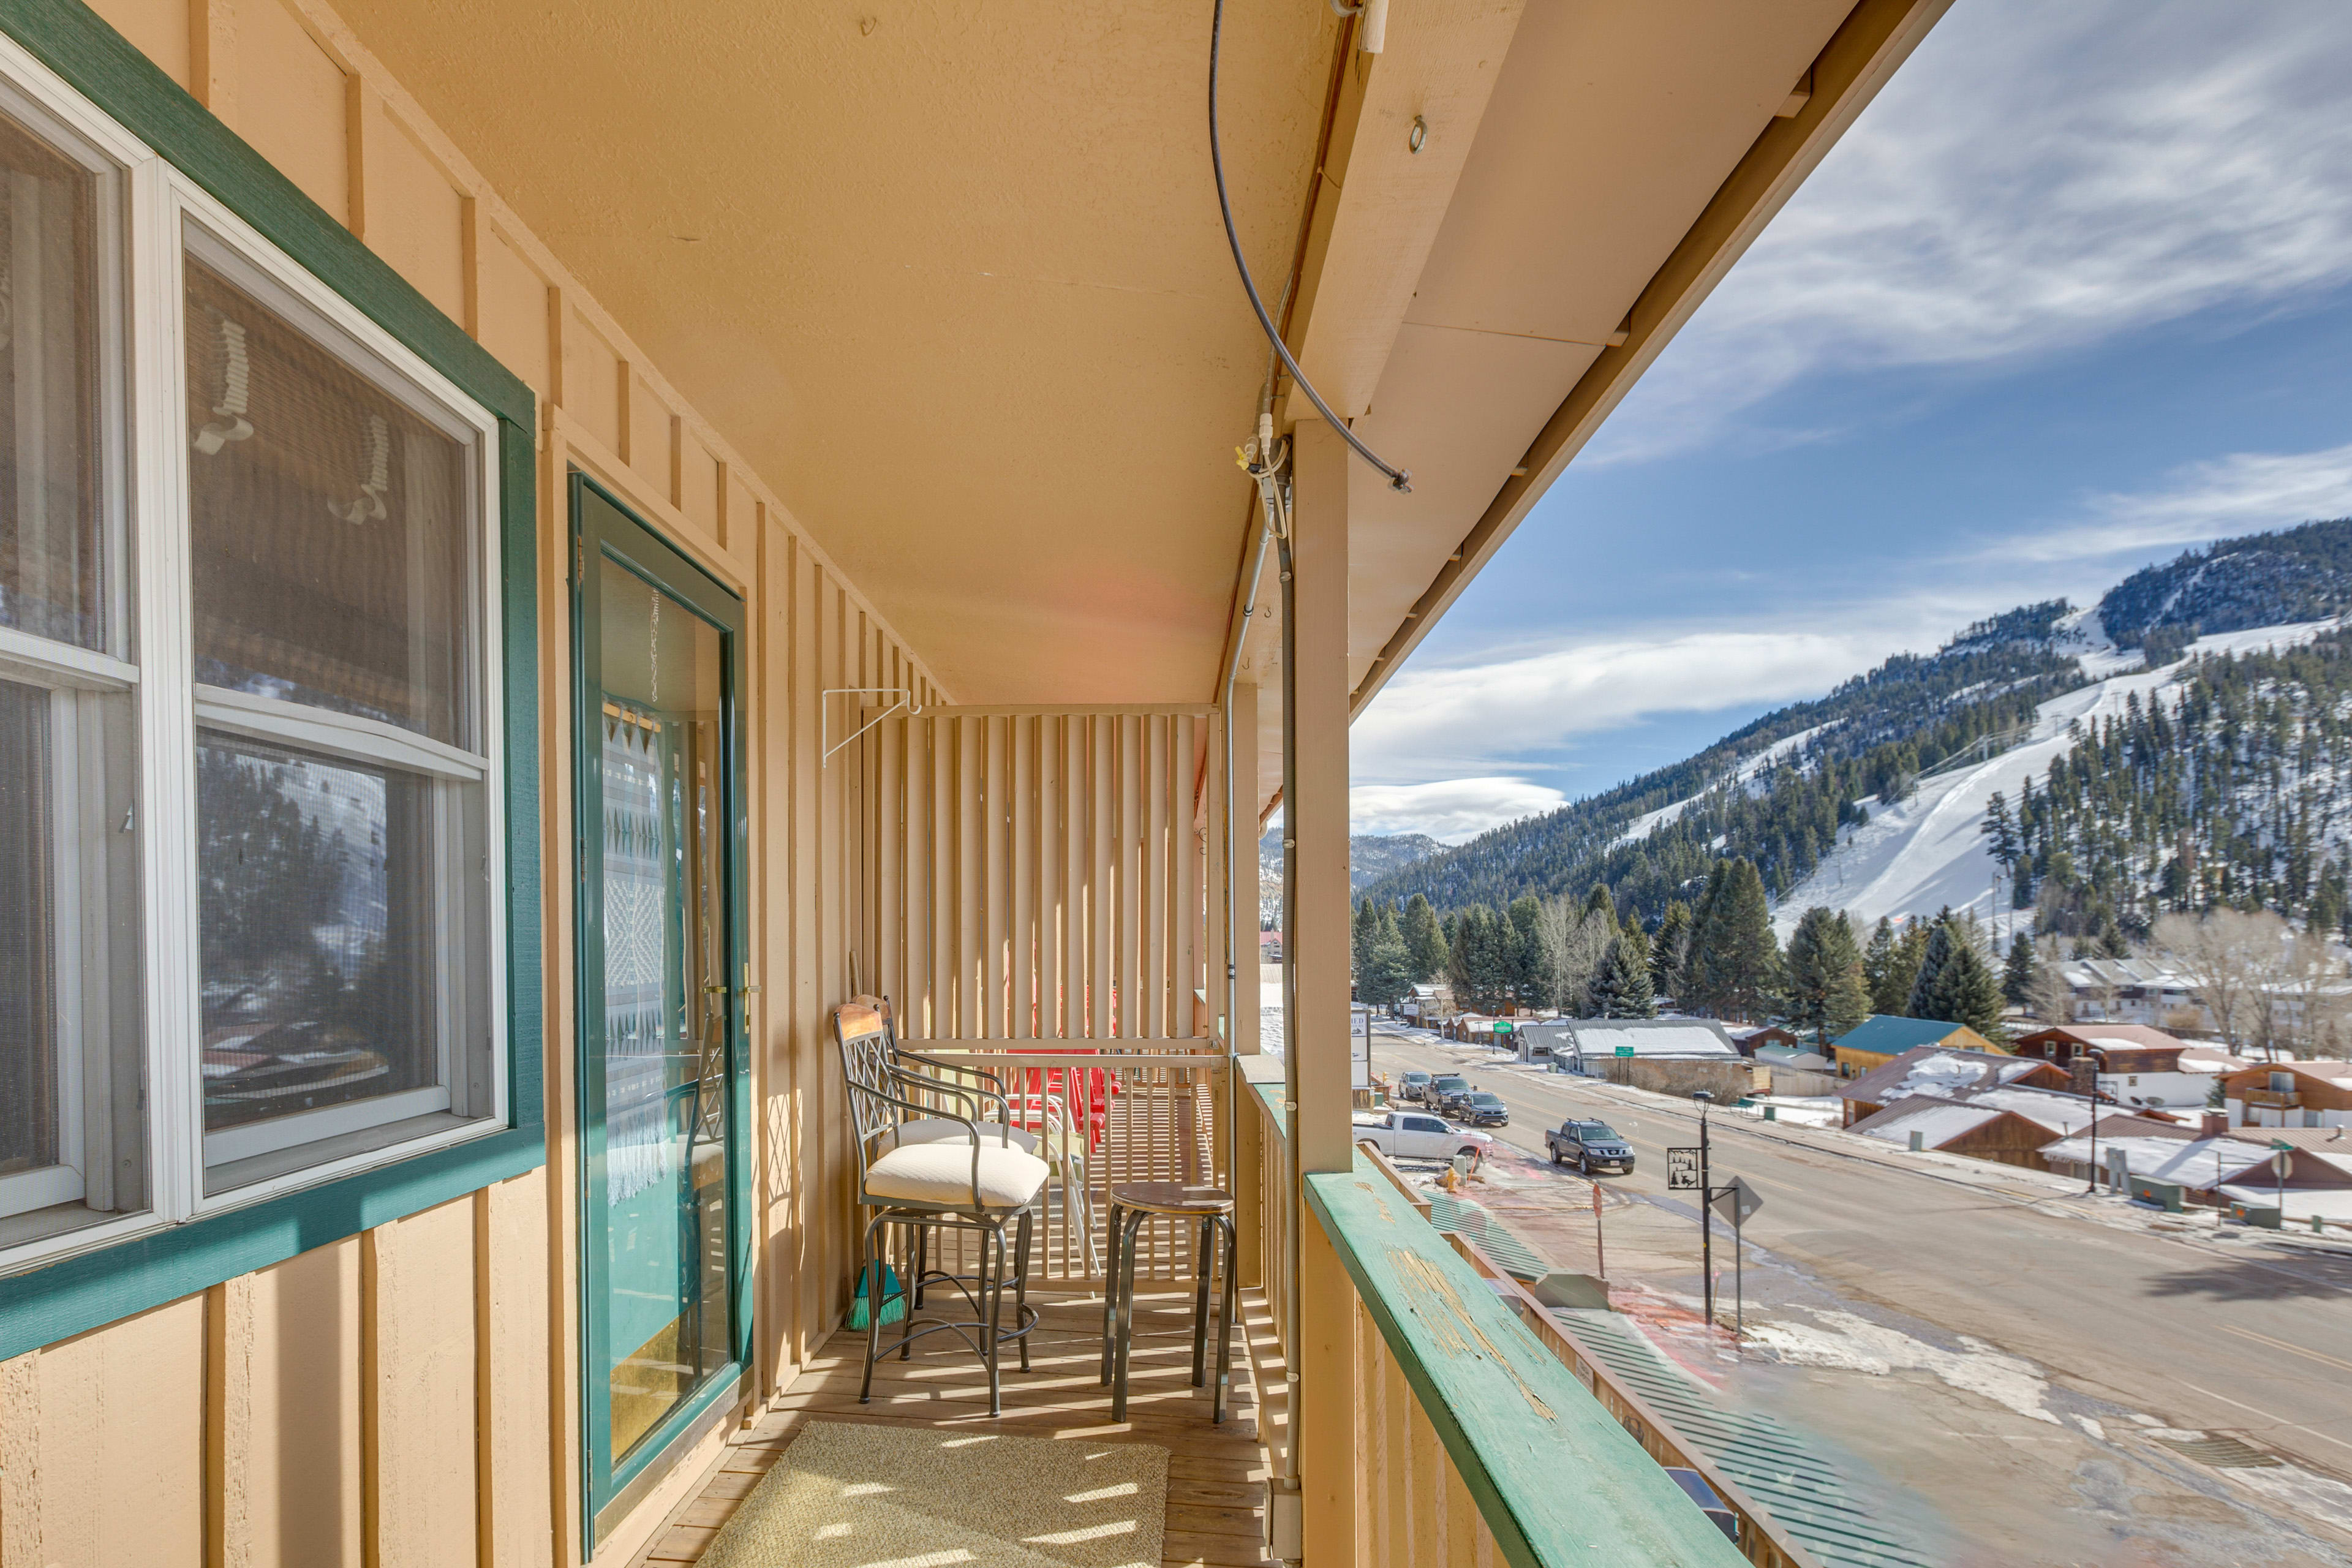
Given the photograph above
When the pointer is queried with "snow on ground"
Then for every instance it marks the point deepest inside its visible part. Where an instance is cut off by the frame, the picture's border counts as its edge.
(1650, 822)
(1929, 852)
(1853, 1343)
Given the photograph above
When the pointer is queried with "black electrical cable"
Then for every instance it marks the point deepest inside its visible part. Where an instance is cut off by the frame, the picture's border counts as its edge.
(1398, 478)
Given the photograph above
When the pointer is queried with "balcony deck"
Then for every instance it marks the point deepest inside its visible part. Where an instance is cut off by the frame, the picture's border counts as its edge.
(1215, 1475)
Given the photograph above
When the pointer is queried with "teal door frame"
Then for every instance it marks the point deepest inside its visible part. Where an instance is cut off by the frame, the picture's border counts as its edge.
(604, 529)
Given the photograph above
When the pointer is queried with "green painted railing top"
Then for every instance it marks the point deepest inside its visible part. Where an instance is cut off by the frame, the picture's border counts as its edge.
(1560, 1483)
(1783, 1471)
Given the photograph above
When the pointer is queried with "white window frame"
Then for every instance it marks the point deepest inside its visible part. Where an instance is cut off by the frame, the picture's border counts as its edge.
(147, 568)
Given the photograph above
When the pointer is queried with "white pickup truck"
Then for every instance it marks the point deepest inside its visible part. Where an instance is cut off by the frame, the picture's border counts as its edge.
(1417, 1135)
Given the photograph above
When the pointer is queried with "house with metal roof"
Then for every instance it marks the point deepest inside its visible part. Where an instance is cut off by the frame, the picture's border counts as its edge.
(1943, 1070)
(1881, 1037)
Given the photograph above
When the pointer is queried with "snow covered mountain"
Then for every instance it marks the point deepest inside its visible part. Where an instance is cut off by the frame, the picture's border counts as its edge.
(1872, 797)
(1930, 850)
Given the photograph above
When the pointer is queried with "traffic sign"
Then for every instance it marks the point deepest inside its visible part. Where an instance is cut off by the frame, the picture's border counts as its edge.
(1735, 1201)
(1682, 1170)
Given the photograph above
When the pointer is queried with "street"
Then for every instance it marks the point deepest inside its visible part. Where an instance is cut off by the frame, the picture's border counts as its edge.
(2007, 1355)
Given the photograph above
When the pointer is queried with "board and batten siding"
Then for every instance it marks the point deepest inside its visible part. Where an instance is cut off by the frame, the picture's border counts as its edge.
(409, 1397)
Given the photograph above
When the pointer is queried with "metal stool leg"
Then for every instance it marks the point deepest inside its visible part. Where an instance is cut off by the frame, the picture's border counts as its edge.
(1225, 1318)
(1110, 1295)
(1126, 1313)
(993, 1297)
(1020, 1289)
(922, 1263)
(1204, 1257)
(872, 1268)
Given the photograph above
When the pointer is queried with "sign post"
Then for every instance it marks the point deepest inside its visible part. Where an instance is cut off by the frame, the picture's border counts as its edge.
(1706, 1219)
(1735, 1201)
(1599, 1244)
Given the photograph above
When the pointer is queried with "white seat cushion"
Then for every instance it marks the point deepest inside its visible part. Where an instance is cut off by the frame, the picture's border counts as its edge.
(942, 1130)
(941, 1173)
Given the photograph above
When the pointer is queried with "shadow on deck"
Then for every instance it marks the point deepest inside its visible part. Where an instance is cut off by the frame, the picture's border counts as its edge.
(1217, 1474)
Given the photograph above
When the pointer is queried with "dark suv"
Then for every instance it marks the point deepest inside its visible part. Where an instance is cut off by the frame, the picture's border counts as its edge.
(1438, 1094)
(1591, 1145)
(1480, 1109)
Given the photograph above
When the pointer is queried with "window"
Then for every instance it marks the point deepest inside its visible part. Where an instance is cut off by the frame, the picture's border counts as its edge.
(73, 1151)
(251, 877)
(333, 531)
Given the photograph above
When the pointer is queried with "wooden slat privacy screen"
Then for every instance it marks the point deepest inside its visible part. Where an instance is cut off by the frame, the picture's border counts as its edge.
(1036, 875)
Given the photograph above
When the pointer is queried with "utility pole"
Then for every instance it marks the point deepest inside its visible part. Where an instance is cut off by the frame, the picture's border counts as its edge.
(1706, 1214)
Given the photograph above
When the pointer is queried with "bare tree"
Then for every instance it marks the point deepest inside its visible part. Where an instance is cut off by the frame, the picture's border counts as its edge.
(2233, 957)
(1574, 945)
(2050, 998)
(2312, 999)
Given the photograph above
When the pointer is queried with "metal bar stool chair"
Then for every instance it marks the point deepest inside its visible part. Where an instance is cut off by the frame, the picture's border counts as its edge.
(971, 1177)
(1131, 1205)
(960, 1077)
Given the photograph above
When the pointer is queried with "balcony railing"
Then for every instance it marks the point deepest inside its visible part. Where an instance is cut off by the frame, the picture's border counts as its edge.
(1461, 1424)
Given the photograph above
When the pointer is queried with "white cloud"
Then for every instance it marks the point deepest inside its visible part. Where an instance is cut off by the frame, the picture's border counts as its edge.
(1429, 723)
(2036, 178)
(2245, 493)
(1449, 811)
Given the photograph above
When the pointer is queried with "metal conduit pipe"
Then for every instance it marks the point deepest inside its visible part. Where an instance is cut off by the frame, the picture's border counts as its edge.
(1294, 1220)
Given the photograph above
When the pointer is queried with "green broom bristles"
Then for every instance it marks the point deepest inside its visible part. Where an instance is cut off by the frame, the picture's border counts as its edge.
(894, 1299)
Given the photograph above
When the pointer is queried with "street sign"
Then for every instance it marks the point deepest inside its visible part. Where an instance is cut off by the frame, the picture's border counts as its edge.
(1625, 1050)
(1682, 1170)
(1502, 1026)
(1735, 1201)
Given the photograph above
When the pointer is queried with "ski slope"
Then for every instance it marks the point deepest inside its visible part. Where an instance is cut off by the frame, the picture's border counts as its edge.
(1745, 772)
(1930, 851)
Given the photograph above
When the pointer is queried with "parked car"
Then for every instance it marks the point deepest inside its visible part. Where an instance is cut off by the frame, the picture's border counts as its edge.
(1591, 1146)
(1481, 1109)
(1411, 1085)
(1443, 1088)
(1418, 1135)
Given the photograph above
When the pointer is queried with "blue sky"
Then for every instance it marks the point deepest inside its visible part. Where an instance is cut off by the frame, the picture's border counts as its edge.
(2074, 293)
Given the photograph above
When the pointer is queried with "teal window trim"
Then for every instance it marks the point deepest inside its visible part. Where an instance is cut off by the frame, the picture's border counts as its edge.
(86, 1290)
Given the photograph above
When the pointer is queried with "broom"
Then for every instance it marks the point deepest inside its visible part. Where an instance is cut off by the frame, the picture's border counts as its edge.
(894, 1299)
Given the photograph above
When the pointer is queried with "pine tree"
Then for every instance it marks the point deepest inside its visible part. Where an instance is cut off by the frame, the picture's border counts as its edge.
(1964, 990)
(1529, 966)
(1824, 987)
(1424, 943)
(1998, 828)
(1937, 953)
(1600, 900)
(1734, 950)
(1890, 992)
(1621, 989)
(1877, 958)
(2023, 968)
(1670, 950)
(1386, 974)
(1365, 930)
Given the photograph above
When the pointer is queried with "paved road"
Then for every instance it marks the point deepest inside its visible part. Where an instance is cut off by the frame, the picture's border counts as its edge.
(2185, 1332)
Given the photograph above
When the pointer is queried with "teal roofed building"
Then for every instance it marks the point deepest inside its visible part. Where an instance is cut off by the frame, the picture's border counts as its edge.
(1881, 1037)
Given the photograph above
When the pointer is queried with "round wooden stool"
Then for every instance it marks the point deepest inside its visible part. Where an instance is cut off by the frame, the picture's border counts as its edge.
(1132, 1203)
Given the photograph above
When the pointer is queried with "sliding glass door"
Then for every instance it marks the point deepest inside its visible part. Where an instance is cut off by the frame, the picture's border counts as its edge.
(663, 1082)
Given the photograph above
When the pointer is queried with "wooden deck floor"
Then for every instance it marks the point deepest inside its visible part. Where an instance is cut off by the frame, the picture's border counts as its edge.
(1215, 1475)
